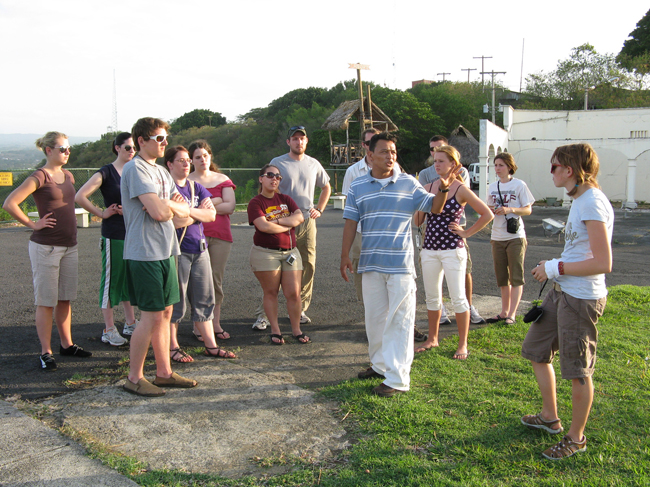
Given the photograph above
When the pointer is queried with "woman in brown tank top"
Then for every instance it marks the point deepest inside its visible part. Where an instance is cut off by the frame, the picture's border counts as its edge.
(52, 246)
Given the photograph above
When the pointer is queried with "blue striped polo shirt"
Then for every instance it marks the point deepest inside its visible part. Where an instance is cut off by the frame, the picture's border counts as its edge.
(385, 213)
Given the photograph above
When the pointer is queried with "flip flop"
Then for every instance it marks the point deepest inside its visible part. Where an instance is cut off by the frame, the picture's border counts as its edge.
(461, 356)
(197, 336)
(496, 319)
(424, 349)
(301, 337)
(509, 321)
(279, 337)
(222, 335)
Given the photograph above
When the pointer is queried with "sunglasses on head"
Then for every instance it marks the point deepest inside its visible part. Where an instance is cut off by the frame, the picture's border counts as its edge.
(63, 149)
(158, 138)
(129, 148)
(272, 175)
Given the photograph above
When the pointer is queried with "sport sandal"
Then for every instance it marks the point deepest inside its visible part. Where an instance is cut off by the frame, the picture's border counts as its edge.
(565, 448)
(535, 421)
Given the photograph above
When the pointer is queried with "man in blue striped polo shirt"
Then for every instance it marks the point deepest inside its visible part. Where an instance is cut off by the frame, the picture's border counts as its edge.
(384, 201)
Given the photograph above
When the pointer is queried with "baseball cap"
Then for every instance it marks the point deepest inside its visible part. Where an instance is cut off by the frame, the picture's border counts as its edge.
(296, 128)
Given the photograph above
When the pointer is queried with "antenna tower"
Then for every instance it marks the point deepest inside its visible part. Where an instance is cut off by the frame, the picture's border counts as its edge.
(114, 121)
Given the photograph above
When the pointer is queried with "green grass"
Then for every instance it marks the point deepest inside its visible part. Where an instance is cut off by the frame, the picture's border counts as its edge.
(459, 424)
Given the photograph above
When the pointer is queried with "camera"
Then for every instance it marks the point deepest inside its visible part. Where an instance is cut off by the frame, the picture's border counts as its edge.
(291, 259)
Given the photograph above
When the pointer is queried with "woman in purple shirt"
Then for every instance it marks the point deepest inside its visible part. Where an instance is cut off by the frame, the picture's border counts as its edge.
(194, 271)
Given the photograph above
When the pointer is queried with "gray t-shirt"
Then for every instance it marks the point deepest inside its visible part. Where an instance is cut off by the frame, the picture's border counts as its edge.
(300, 178)
(146, 239)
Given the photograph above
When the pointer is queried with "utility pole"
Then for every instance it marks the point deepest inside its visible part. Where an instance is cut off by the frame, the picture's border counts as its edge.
(362, 115)
(443, 76)
(483, 58)
(493, 73)
(468, 70)
(114, 121)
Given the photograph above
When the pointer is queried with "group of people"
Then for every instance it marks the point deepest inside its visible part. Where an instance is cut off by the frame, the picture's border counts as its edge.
(381, 203)
(166, 239)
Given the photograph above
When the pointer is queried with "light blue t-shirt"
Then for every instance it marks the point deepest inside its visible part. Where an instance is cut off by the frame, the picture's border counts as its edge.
(591, 205)
(385, 212)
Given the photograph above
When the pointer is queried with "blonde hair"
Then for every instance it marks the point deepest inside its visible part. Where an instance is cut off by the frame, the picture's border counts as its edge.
(582, 158)
(453, 155)
(49, 140)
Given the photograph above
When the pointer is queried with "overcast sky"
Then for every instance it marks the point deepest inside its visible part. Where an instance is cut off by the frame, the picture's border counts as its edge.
(172, 56)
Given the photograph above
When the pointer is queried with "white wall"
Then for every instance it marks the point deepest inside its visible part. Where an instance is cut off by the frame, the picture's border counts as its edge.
(620, 137)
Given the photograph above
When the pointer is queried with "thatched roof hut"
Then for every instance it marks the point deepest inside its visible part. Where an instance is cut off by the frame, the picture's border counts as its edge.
(343, 154)
(340, 118)
(463, 140)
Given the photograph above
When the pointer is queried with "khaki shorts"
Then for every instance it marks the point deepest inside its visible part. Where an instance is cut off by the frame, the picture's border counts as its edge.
(508, 257)
(265, 260)
(54, 272)
(568, 325)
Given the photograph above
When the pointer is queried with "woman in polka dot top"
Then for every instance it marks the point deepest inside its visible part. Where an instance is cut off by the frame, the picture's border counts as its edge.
(443, 249)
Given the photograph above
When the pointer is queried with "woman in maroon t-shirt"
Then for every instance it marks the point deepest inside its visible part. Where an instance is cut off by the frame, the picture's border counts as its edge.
(274, 258)
(53, 245)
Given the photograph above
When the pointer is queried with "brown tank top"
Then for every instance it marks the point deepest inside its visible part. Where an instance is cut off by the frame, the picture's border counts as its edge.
(59, 200)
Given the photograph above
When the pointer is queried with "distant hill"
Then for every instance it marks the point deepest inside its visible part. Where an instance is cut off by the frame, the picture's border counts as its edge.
(17, 151)
(20, 141)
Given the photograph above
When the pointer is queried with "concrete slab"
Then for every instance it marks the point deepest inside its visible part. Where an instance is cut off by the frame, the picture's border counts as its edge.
(33, 454)
(233, 416)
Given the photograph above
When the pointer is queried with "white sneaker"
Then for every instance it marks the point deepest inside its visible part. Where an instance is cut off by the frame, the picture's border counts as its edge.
(114, 338)
(304, 319)
(444, 319)
(474, 317)
(261, 323)
(129, 329)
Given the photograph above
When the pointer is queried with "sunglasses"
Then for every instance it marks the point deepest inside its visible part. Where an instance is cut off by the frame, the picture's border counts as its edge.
(158, 138)
(63, 149)
(554, 167)
(432, 149)
(129, 148)
(272, 175)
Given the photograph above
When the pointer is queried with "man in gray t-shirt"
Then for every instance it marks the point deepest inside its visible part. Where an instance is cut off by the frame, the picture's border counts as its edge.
(149, 202)
(301, 175)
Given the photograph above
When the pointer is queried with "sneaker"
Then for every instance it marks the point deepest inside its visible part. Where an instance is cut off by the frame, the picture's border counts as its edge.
(535, 421)
(304, 319)
(261, 323)
(114, 338)
(369, 373)
(47, 362)
(567, 447)
(474, 317)
(418, 336)
(444, 319)
(129, 329)
(74, 350)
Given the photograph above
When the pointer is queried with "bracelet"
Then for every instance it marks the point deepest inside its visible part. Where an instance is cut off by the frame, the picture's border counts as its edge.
(319, 212)
(444, 190)
(560, 268)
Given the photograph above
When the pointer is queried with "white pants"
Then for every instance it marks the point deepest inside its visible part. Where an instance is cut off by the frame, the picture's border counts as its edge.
(389, 301)
(451, 264)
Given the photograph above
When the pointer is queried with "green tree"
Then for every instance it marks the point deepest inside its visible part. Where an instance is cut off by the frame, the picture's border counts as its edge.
(197, 118)
(565, 87)
(635, 54)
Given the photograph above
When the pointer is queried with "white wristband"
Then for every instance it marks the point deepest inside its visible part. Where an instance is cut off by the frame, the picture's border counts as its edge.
(552, 268)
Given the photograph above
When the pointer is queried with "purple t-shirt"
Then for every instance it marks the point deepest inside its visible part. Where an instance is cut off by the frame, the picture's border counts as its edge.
(191, 243)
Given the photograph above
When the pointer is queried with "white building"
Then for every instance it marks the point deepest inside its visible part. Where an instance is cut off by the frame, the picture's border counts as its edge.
(621, 137)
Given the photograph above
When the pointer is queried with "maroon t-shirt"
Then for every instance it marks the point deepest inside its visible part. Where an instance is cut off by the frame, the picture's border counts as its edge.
(279, 206)
(57, 199)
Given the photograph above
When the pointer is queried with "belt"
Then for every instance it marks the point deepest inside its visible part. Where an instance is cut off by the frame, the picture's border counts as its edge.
(557, 287)
(278, 248)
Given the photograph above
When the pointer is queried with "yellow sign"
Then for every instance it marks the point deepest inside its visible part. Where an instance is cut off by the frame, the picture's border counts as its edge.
(6, 179)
